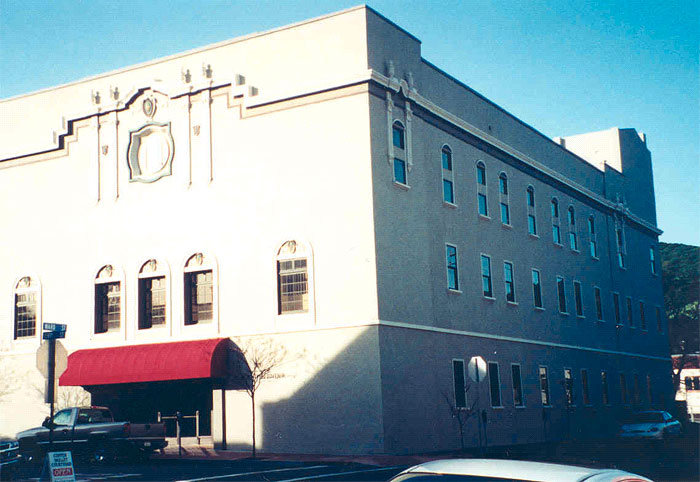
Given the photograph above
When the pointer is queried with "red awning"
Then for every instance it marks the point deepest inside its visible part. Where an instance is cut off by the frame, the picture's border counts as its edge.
(149, 363)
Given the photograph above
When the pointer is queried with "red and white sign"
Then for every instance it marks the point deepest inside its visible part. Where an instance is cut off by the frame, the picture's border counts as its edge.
(61, 467)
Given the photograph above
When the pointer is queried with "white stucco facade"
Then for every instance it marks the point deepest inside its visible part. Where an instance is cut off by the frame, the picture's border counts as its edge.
(232, 150)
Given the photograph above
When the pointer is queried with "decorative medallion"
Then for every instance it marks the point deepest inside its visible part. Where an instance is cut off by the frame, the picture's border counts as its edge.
(150, 152)
(149, 107)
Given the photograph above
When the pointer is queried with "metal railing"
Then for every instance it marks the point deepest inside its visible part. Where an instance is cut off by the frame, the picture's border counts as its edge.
(178, 417)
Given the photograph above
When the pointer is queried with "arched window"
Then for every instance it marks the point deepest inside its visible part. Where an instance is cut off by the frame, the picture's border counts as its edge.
(199, 290)
(482, 193)
(152, 295)
(26, 308)
(573, 238)
(531, 215)
(292, 278)
(556, 233)
(399, 161)
(448, 194)
(503, 198)
(108, 309)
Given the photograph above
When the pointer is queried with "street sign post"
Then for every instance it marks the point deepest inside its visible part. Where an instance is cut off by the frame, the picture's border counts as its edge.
(52, 331)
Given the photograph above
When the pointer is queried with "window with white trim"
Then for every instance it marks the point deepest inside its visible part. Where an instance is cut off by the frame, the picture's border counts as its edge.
(482, 193)
(536, 289)
(584, 387)
(598, 303)
(459, 383)
(107, 301)
(152, 295)
(652, 260)
(578, 298)
(569, 386)
(516, 378)
(592, 239)
(399, 161)
(531, 215)
(494, 384)
(199, 290)
(448, 190)
(292, 279)
(544, 386)
(486, 284)
(616, 308)
(503, 198)
(26, 308)
(452, 268)
(556, 232)
(573, 238)
(509, 279)
(561, 295)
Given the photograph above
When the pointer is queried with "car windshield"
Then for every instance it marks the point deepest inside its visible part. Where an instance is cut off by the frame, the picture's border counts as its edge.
(423, 477)
(646, 417)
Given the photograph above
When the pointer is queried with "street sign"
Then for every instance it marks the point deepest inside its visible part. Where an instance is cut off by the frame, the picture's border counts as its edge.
(53, 335)
(42, 359)
(55, 327)
(61, 467)
(476, 368)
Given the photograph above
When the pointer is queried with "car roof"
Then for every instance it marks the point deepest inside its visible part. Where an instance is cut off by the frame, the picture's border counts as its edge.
(515, 469)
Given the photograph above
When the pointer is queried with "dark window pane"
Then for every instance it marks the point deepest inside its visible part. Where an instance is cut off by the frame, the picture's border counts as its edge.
(494, 385)
(483, 207)
(446, 159)
(397, 135)
(458, 376)
(400, 171)
(531, 225)
(505, 214)
(517, 386)
(481, 174)
(447, 191)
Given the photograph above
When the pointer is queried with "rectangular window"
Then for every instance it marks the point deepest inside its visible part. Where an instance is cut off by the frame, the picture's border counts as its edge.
(397, 136)
(107, 307)
(494, 384)
(481, 174)
(604, 387)
(486, 276)
(630, 315)
(584, 387)
(591, 234)
(448, 194)
(598, 304)
(517, 386)
(642, 316)
(561, 293)
(531, 225)
(569, 386)
(556, 235)
(578, 298)
(458, 378)
(505, 214)
(623, 389)
(531, 197)
(594, 249)
(536, 289)
(292, 286)
(544, 386)
(658, 319)
(652, 260)
(399, 171)
(25, 314)
(452, 274)
(199, 297)
(510, 283)
(649, 392)
(616, 308)
(483, 206)
(151, 302)
(637, 395)
(573, 241)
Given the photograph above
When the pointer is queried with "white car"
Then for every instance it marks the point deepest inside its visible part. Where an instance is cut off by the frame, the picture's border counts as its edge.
(486, 470)
(651, 425)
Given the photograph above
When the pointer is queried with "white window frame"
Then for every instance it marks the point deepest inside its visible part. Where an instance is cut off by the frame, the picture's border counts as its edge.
(401, 155)
(559, 297)
(103, 276)
(198, 262)
(147, 271)
(456, 268)
(490, 276)
(34, 287)
(573, 234)
(503, 199)
(448, 175)
(539, 279)
(539, 386)
(482, 189)
(555, 220)
(592, 237)
(505, 282)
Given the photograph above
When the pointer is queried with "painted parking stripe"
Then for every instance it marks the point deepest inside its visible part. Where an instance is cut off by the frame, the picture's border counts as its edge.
(342, 473)
(254, 473)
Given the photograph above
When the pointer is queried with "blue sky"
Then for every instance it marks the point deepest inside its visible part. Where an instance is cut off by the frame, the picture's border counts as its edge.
(564, 67)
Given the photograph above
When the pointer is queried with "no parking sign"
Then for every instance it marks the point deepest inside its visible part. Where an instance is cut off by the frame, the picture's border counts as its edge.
(61, 467)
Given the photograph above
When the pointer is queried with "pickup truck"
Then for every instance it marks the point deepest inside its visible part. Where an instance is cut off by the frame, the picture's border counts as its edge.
(91, 432)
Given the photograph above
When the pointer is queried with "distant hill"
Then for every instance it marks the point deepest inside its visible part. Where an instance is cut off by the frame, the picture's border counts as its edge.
(681, 278)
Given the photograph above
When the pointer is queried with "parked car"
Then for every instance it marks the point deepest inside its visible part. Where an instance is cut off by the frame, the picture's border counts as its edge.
(477, 470)
(650, 425)
(9, 458)
(91, 431)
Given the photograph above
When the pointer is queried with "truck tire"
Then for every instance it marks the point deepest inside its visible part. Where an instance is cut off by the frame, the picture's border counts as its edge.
(101, 452)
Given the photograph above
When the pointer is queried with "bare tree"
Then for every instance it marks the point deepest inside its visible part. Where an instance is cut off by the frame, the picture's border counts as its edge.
(8, 374)
(71, 397)
(460, 414)
(262, 358)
